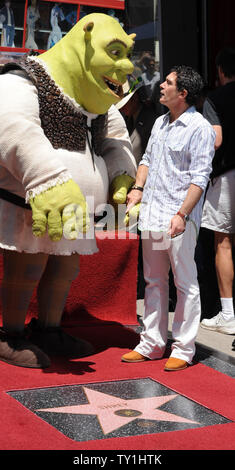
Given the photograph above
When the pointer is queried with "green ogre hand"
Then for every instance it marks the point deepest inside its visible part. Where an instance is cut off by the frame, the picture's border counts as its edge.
(62, 207)
(132, 215)
(120, 187)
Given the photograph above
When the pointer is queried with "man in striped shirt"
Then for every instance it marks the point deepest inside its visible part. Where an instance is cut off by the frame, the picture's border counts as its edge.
(171, 179)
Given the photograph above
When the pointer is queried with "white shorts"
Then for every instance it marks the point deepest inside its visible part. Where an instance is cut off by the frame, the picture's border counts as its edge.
(219, 207)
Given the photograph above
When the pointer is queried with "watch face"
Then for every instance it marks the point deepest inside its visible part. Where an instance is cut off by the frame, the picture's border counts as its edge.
(186, 218)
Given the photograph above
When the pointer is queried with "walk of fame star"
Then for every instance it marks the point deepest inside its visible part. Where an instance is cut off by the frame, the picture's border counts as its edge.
(117, 408)
(114, 412)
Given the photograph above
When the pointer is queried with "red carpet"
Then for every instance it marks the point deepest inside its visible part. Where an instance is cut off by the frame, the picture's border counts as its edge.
(101, 301)
(106, 286)
(21, 429)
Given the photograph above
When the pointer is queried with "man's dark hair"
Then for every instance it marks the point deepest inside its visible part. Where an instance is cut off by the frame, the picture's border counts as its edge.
(226, 60)
(190, 80)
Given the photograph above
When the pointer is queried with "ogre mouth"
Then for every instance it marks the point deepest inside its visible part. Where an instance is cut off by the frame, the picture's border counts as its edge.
(114, 86)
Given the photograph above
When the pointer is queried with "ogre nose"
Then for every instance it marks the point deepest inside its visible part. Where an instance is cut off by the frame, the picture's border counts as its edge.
(125, 66)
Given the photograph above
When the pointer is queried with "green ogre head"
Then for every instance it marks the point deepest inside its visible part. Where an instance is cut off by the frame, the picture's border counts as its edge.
(92, 61)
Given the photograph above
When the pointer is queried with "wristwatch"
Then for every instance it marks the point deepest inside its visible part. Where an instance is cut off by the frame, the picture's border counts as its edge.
(185, 217)
(140, 188)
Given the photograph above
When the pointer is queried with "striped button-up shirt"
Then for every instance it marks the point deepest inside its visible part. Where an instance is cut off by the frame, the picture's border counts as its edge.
(178, 154)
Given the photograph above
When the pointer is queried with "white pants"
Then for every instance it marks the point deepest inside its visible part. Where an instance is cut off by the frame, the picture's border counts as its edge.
(158, 256)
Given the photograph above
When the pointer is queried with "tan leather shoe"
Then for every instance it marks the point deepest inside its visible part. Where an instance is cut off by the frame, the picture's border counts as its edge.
(17, 350)
(175, 364)
(133, 356)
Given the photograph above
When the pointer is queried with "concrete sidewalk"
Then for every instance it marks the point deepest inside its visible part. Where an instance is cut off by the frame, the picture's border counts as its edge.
(217, 341)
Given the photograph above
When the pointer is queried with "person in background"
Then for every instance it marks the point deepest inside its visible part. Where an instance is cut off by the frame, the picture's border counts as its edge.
(8, 22)
(150, 76)
(140, 114)
(219, 208)
(33, 16)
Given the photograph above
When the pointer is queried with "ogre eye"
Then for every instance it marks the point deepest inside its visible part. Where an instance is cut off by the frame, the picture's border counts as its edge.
(115, 52)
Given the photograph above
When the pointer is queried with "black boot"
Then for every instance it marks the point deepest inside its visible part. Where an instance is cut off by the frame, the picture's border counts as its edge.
(17, 350)
(54, 341)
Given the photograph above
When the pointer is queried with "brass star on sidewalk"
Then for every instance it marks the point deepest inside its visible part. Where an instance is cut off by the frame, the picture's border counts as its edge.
(114, 412)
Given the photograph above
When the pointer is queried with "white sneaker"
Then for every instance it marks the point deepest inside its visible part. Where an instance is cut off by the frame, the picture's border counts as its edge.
(218, 323)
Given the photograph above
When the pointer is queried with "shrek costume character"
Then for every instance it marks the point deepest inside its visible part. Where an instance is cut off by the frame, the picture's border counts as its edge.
(63, 148)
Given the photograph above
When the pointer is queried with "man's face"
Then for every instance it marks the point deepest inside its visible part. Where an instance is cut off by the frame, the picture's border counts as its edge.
(151, 66)
(169, 94)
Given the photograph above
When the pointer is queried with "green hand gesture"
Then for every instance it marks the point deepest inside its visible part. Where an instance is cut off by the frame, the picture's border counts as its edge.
(120, 187)
(62, 208)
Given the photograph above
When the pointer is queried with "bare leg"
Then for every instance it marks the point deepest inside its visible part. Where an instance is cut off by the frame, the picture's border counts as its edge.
(54, 287)
(22, 272)
(52, 293)
(224, 263)
(224, 321)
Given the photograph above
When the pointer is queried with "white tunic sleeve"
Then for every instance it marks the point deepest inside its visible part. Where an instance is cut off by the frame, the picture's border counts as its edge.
(25, 151)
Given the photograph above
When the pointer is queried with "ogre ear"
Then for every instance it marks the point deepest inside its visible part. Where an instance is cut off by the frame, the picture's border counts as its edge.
(87, 30)
(132, 36)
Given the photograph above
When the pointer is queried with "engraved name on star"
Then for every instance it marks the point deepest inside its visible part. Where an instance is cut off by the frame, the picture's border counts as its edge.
(114, 412)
